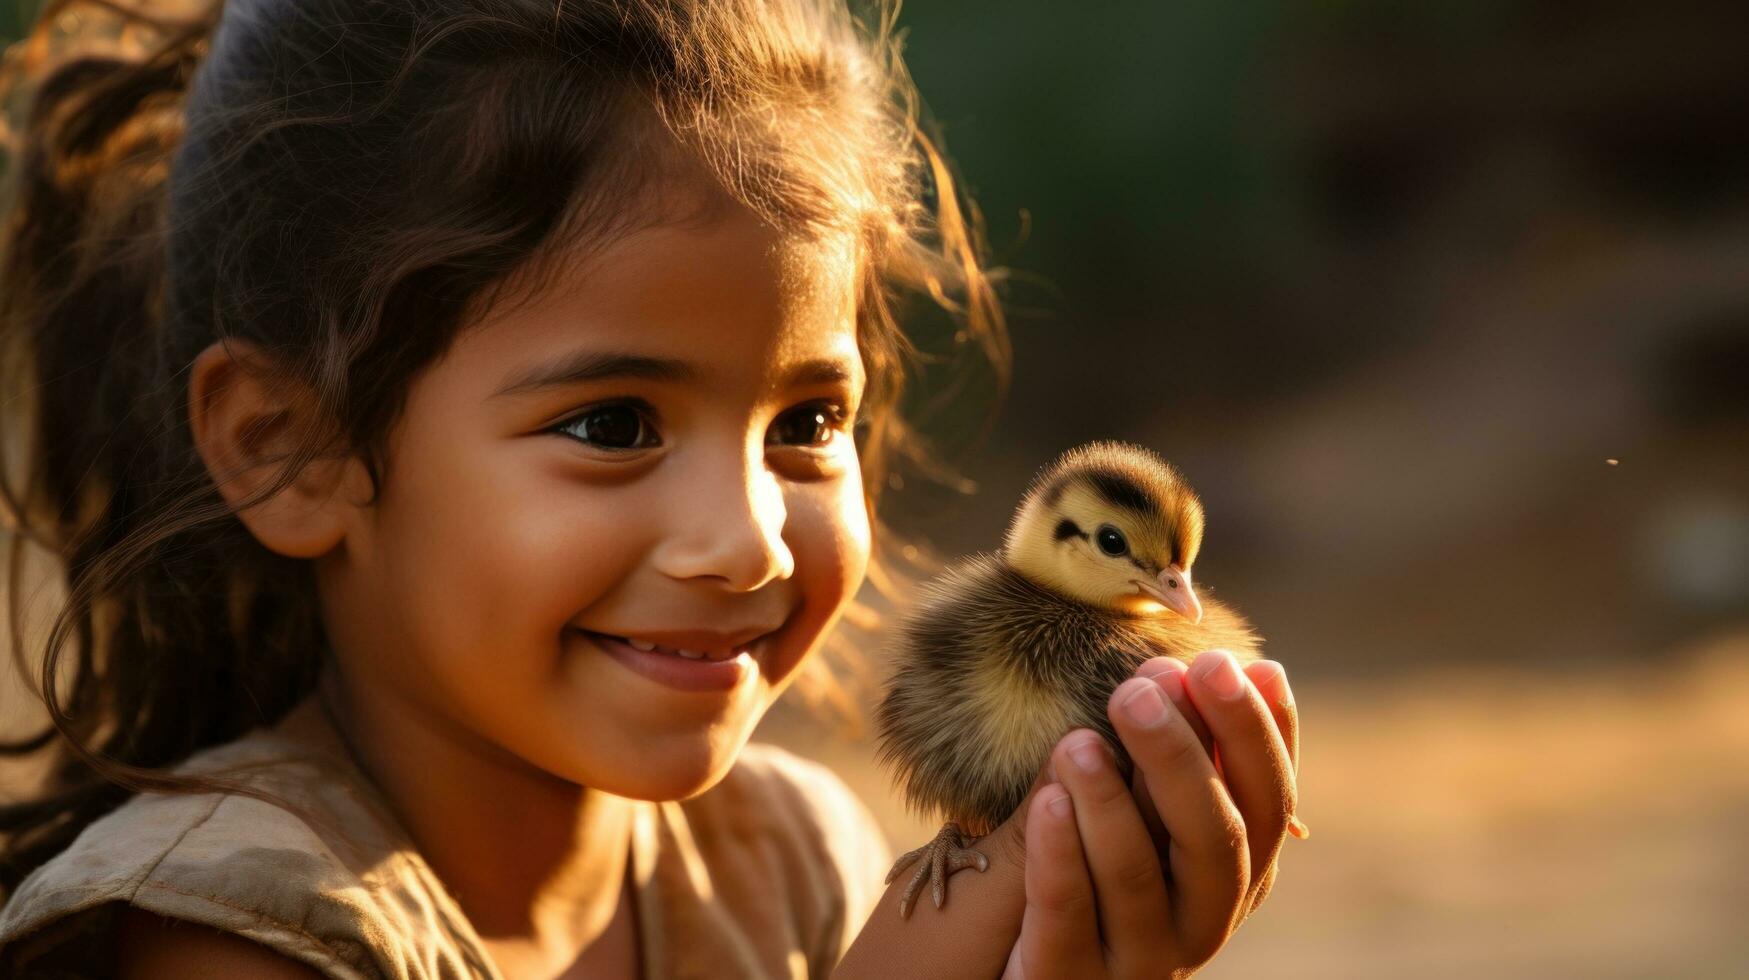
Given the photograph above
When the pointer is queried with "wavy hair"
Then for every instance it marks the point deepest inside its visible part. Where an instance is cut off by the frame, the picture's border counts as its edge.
(345, 184)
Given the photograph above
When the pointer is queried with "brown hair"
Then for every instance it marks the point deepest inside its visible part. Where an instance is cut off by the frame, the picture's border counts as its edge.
(345, 193)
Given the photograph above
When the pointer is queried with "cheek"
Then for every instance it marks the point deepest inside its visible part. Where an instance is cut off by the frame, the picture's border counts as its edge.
(827, 530)
(502, 554)
(831, 535)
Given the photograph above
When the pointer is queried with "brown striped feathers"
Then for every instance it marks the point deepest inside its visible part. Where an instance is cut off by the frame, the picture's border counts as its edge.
(1003, 654)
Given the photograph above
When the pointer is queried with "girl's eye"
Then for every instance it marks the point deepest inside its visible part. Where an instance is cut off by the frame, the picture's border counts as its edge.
(812, 424)
(619, 426)
(1111, 541)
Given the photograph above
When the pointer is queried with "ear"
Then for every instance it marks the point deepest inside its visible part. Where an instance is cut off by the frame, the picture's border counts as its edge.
(245, 419)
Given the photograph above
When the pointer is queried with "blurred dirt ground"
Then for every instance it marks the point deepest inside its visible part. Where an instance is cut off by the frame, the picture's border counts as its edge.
(1491, 822)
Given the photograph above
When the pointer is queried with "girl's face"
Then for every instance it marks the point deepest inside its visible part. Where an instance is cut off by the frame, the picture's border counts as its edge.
(655, 449)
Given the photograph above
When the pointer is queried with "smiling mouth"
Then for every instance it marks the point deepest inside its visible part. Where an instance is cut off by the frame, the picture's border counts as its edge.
(714, 656)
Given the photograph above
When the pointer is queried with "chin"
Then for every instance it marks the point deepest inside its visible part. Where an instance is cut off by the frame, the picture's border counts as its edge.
(676, 768)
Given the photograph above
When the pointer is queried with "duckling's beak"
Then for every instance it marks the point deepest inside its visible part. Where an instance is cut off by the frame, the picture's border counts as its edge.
(1174, 591)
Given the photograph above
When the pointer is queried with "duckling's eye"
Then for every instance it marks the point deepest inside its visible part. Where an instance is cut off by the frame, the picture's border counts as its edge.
(616, 425)
(1111, 541)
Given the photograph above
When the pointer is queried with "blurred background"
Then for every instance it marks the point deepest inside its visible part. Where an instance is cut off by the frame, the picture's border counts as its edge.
(1444, 310)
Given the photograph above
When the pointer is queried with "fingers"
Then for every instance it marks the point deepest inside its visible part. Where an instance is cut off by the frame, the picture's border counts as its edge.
(1270, 679)
(1168, 672)
(1254, 759)
(1260, 891)
(1129, 885)
(1271, 682)
(1208, 860)
(1059, 932)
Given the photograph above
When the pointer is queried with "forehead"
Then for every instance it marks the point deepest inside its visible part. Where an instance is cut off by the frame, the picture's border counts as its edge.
(1084, 499)
(728, 292)
(1116, 488)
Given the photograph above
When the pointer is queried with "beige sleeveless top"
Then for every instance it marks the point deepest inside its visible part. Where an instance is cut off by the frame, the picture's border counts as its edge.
(769, 874)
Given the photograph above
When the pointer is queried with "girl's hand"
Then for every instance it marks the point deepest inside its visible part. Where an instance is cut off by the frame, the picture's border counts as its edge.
(1113, 890)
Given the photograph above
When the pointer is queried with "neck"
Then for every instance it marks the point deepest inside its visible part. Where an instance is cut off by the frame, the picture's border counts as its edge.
(533, 860)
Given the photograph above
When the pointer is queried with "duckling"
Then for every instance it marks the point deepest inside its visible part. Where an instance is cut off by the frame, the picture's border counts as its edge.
(1004, 654)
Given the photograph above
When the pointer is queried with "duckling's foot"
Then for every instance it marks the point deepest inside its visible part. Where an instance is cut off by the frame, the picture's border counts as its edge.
(939, 858)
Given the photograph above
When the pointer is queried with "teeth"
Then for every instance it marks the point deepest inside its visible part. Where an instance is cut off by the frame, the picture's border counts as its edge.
(647, 647)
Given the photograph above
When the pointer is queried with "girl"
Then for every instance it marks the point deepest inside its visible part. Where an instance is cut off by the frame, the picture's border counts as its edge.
(459, 422)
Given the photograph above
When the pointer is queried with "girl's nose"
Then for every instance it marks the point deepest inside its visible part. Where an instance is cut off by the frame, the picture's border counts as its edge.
(728, 525)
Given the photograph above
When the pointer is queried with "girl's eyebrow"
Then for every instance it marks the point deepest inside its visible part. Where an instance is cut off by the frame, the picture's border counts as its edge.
(584, 366)
(580, 367)
(819, 371)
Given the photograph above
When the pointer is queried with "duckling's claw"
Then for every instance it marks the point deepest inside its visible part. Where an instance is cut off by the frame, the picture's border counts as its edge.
(968, 859)
(904, 860)
(938, 876)
(936, 861)
(909, 899)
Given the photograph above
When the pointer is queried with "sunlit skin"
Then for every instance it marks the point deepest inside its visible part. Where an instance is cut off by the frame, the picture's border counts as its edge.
(507, 741)
(454, 601)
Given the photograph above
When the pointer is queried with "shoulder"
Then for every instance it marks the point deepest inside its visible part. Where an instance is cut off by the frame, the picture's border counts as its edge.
(151, 947)
(212, 862)
(320, 877)
(792, 788)
(793, 826)
(772, 790)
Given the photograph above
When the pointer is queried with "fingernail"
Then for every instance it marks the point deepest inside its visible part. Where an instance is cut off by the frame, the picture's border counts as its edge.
(1158, 667)
(1059, 805)
(1171, 683)
(1266, 672)
(1088, 754)
(1217, 669)
(1145, 706)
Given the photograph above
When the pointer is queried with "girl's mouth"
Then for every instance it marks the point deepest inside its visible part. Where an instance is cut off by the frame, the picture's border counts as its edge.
(685, 670)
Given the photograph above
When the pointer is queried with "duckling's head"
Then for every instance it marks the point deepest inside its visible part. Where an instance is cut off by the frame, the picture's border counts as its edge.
(1113, 525)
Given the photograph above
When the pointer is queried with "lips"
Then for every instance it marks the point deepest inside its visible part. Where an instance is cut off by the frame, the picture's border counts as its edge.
(719, 654)
(718, 642)
(721, 670)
